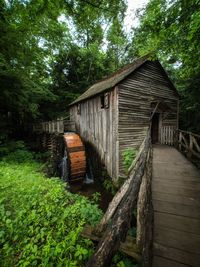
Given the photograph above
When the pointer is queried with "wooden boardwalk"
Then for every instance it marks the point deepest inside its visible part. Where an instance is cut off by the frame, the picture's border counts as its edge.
(176, 203)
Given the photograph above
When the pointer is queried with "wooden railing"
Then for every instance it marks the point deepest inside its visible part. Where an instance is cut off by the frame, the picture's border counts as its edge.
(60, 125)
(189, 144)
(113, 228)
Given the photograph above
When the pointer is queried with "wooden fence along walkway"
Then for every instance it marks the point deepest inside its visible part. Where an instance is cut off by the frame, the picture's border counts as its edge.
(58, 126)
(189, 144)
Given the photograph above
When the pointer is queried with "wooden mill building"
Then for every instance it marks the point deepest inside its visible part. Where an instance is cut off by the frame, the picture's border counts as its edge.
(114, 113)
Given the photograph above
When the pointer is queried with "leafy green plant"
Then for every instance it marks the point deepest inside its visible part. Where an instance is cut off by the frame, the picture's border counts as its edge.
(128, 156)
(110, 186)
(121, 260)
(96, 197)
(11, 146)
(40, 221)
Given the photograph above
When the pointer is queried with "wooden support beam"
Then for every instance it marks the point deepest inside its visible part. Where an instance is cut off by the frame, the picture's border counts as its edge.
(128, 247)
(154, 111)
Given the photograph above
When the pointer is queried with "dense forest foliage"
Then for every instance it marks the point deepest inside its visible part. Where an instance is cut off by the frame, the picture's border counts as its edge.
(171, 30)
(51, 51)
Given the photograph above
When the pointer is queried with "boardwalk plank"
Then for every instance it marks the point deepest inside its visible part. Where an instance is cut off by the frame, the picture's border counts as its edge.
(160, 169)
(181, 191)
(191, 201)
(177, 209)
(185, 224)
(176, 203)
(178, 183)
(162, 262)
(171, 177)
(177, 239)
(178, 255)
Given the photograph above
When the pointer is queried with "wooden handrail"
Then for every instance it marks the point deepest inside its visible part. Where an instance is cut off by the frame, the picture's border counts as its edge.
(120, 210)
(55, 126)
(189, 144)
(186, 132)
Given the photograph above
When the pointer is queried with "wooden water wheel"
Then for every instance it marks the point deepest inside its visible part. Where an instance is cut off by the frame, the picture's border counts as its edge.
(75, 156)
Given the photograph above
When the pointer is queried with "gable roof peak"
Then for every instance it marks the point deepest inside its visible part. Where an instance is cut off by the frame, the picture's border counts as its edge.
(113, 79)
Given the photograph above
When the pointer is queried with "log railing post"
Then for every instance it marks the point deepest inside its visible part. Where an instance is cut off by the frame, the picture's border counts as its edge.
(190, 148)
(62, 125)
(190, 144)
(144, 235)
(117, 230)
(180, 139)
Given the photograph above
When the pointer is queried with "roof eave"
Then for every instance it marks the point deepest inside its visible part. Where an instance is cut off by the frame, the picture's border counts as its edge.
(92, 96)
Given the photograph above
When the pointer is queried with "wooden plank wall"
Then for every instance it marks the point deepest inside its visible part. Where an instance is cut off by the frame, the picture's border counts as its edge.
(136, 93)
(98, 127)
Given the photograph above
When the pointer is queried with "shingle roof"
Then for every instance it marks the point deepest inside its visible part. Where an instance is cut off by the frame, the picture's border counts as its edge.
(111, 80)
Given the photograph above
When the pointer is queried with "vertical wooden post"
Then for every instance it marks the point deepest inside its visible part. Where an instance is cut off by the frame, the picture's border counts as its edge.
(190, 146)
(62, 125)
(145, 214)
(179, 140)
(44, 140)
(58, 126)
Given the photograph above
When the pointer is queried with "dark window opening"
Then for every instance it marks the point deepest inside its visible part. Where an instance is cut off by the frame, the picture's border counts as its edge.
(102, 101)
(79, 109)
(105, 100)
(155, 128)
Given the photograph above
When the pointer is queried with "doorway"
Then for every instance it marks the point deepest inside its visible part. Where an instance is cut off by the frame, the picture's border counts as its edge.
(155, 128)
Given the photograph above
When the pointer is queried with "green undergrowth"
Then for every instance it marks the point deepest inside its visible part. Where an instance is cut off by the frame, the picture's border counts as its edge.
(110, 186)
(40, 221)
(121, 260)
(128, 156)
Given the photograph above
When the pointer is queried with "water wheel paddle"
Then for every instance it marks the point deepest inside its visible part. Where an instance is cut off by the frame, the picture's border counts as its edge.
(76, 157)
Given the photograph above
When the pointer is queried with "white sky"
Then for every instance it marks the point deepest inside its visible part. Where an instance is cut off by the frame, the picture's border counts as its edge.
(130, 19)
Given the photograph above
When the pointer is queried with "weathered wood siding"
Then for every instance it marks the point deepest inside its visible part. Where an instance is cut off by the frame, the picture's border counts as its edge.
(98, 127)
(124, 124)
(136, 93)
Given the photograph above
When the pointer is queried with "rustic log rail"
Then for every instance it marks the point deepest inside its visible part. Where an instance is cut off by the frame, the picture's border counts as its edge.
(116, 222)
(189, 144)
(58, 126)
